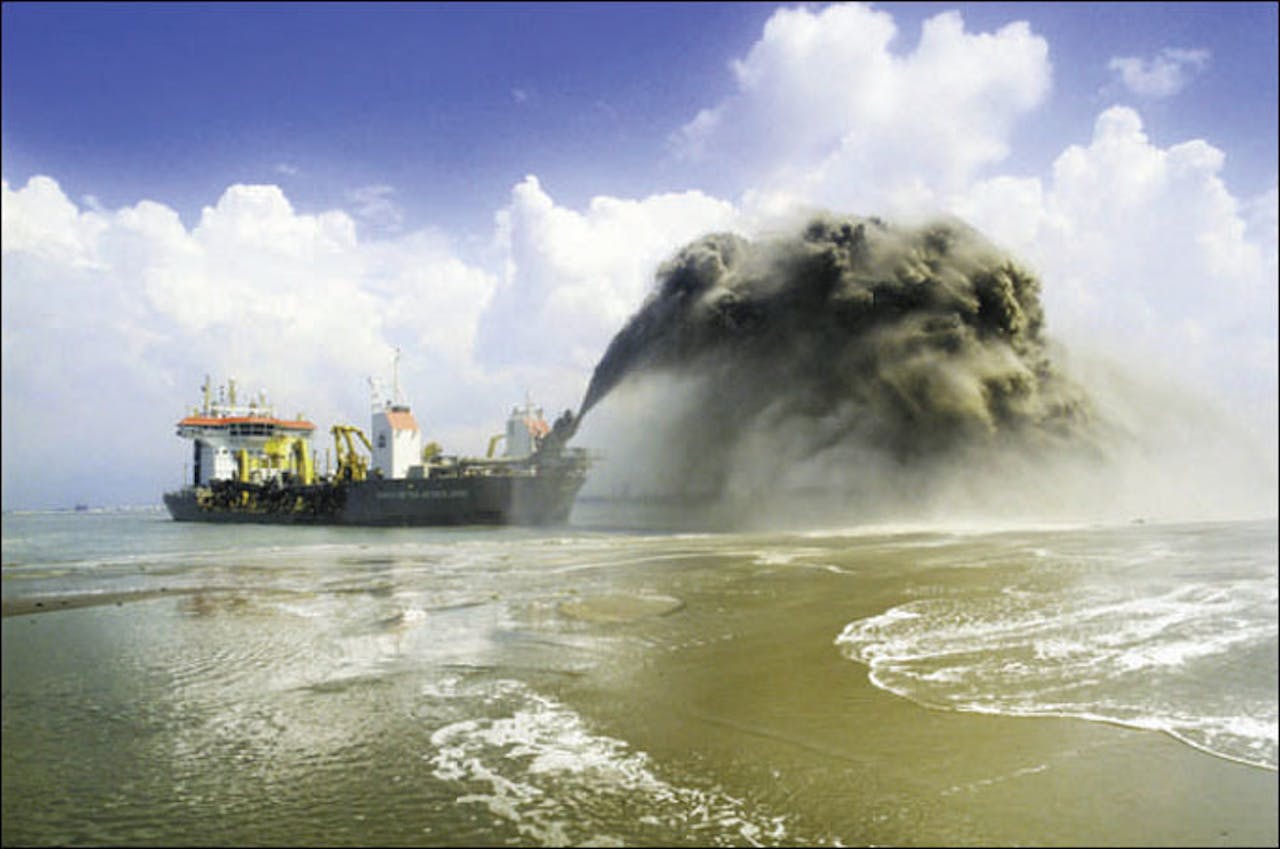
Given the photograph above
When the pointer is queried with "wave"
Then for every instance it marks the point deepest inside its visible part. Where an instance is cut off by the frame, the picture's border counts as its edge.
(1195, 660)
(533, 762)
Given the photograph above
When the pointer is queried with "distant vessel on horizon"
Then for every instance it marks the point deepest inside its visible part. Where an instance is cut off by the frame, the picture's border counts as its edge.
(251, 466)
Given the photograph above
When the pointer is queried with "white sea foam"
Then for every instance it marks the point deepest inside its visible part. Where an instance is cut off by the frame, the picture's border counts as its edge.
(1161, 647)
(536, 764)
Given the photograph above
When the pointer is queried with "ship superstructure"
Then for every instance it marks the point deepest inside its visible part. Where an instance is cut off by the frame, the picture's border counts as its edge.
(397, 439)
(526, 428)
(247, 443)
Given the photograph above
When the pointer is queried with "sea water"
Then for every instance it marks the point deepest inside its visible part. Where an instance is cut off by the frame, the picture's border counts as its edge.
(605, 684)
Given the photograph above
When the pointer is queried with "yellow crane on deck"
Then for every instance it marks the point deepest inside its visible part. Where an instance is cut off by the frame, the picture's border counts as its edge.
(351, 465)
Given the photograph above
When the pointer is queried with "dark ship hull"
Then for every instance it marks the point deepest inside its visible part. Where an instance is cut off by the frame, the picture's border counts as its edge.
(484, 493)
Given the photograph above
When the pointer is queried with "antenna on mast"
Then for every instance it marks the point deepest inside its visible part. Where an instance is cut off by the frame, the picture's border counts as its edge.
(395, 378)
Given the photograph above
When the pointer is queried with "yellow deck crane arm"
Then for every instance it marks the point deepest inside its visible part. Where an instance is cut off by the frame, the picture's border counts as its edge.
(351, 466)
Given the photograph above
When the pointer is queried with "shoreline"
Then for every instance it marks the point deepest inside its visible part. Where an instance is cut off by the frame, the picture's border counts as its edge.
(37, 604)
(51, 604)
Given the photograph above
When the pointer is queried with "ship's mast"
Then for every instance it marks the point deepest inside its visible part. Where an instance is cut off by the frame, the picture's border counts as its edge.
(381, 397)
(395, 379)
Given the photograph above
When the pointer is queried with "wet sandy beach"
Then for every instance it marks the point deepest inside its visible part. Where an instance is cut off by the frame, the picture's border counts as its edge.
(613, 688)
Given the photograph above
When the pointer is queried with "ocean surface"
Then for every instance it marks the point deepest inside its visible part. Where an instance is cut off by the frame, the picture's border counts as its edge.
(611, 683)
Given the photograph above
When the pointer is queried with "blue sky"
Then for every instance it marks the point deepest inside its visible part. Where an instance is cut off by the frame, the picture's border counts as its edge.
(196, 188)
(453, 103)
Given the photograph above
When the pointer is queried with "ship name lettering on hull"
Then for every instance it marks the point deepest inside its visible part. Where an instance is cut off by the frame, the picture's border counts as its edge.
(405, 495)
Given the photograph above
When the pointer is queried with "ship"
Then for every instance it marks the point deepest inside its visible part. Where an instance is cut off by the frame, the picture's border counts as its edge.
(251, 466)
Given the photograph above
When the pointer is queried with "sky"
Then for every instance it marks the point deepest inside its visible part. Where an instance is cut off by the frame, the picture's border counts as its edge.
(287, 193)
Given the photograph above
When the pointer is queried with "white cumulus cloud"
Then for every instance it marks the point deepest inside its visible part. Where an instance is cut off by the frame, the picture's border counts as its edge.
(1145, 246)
(572, 279)
(1164, 75)
(374, 205)
(826, 112)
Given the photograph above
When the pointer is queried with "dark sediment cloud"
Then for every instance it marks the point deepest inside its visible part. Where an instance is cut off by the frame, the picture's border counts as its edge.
(849, 342)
